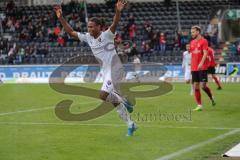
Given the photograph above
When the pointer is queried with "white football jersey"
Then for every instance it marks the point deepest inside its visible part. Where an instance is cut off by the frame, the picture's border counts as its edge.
(103, 49)
(186, 59)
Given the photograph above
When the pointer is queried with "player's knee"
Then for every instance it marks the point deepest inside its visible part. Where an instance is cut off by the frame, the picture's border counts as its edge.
(203, 86)
(103, 96)
(196, 86)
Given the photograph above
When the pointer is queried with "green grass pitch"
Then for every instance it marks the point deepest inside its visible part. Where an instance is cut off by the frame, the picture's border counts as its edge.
(30, 130)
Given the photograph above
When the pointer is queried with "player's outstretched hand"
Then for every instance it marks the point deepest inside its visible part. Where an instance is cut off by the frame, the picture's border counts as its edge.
(58, 10)
(120, 5)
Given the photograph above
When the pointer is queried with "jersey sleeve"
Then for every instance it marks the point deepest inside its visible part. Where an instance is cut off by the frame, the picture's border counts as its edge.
(205, 45)
(109, 35)
(82, 37)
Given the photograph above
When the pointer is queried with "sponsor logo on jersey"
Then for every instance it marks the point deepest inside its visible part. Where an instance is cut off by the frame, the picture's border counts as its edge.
(109, 82)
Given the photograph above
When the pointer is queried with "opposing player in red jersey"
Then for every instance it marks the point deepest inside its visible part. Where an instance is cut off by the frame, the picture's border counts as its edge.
(211, 68)
(199, 66)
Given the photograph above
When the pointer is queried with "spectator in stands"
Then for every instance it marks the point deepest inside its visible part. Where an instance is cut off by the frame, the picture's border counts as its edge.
(32, 30)
(143, 46)
(45, 49)
(12, 50)
(162, 42)
(183, 39)
(20, 55)
(61, 41)
(50, 35)
(177, 42)
(42, 51)
(27, 51)
(127, 49)
(39, 36)
(212, 30)
(23, 34)
(146, 50)
(148, 31)
(214, 39)
(35, 50)
(56, 31)
(27, 54)
(131, 20)
(11, 54)
(17, 25)
(134, 50)
(78, 26)
(132, 32)
(155, 42)
(124, 49)
(9, 22)
(5, 46)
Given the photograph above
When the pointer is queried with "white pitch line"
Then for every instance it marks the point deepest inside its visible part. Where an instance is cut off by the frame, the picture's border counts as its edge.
(192, 127)
(196, 146)
(61, 124)
(24, 111)
(37, 109)
(110, 125)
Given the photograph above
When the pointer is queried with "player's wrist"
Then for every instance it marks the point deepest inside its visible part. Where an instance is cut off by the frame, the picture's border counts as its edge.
(118, 11)
(60, 17)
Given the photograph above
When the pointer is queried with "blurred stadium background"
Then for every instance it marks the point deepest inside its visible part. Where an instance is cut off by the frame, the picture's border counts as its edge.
(30, 30)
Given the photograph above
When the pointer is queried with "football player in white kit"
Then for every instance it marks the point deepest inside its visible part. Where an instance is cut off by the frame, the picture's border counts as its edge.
(186, 65)
(102, 46)
(137, 67)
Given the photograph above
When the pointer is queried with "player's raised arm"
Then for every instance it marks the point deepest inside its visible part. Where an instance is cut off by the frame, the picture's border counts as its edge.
(119, 7)
(64, 23)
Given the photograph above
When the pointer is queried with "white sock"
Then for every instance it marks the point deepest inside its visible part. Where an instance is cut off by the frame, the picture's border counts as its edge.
(123, 114)
(114, 98)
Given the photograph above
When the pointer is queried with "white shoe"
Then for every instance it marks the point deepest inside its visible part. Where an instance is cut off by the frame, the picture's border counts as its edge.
(198, 108)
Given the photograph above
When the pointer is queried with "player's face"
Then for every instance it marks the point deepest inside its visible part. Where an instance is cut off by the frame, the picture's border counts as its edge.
(194, 33)
(93, 28)
(188, 47)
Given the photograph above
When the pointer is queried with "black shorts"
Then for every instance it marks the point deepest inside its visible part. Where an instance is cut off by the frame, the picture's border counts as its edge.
(211, 70)
(200, 76)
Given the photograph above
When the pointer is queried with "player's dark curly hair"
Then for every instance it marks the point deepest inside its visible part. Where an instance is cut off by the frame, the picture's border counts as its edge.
(98, 21)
